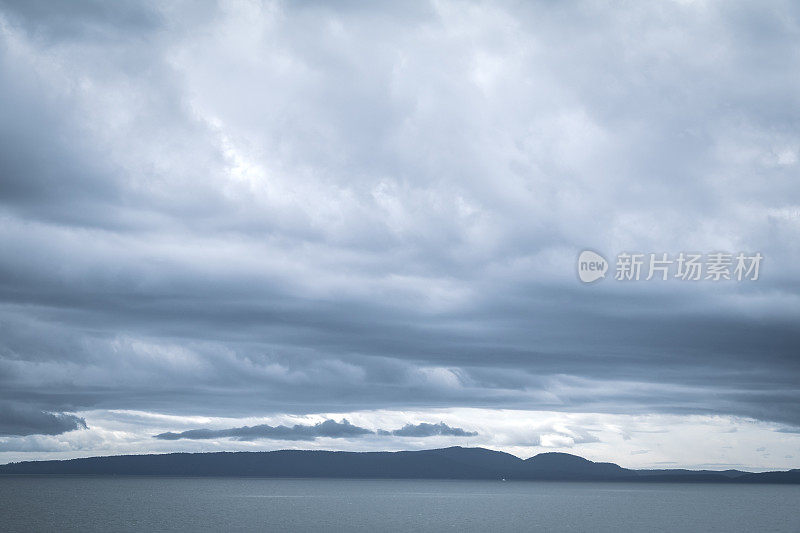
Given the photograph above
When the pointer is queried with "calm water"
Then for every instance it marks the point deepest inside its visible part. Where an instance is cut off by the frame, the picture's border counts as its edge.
(227, 504)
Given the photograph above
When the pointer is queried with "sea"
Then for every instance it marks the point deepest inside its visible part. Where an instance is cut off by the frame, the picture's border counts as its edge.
(109, 504)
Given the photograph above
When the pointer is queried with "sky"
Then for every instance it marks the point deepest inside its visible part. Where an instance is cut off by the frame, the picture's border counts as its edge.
(269, 225)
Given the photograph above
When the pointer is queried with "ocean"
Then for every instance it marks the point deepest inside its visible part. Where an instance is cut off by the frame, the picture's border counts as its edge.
(235, 504)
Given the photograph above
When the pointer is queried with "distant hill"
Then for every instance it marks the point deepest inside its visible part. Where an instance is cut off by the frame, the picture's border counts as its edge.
(684, 472)
(445, 463)
(564, 466)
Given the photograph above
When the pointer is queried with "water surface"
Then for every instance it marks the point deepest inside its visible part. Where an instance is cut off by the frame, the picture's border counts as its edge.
(235, 504)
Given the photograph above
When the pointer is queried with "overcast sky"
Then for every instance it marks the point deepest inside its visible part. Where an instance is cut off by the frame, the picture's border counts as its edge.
(262, 225)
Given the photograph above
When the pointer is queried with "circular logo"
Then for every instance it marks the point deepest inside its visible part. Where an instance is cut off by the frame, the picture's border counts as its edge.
(591, 266)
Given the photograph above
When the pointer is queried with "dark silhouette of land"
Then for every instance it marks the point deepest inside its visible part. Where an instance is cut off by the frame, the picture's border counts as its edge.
(446, 463)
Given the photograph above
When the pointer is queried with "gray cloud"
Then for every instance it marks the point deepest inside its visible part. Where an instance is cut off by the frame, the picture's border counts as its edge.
(424, 429)
(241, 210)
(81, 20)
(328, 428)
(21, 420)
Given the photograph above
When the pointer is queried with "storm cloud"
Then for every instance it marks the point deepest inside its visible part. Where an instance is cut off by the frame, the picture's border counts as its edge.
(250, 209)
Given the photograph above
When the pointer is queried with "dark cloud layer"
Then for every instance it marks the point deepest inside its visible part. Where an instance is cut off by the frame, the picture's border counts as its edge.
(259, 208)
(20, 420)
